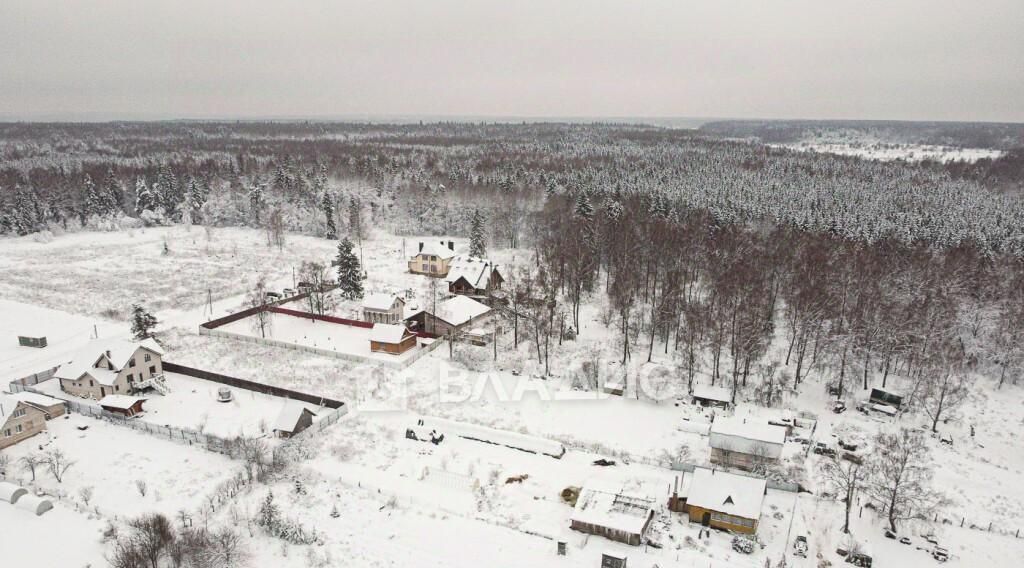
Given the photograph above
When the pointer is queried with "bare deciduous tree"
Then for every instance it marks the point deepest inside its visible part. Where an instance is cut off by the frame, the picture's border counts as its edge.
(845, 478)
(58, 464)
(899, 478)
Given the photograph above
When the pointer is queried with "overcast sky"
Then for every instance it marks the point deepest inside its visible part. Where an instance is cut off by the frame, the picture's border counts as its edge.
(885, 59)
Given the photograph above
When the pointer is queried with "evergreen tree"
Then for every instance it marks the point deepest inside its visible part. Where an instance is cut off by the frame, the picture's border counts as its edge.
(328, 208)
(477, 235)
(350, 273)
(144, 198)
(196, 199)
(113, 193)
(95, 204)
(143, 322)
(584, 209)
(269, 515)
(256, 200)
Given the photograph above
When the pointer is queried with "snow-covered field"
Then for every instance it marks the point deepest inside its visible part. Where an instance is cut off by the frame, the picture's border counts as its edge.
(888, 151)
(111, 459)
(400, 499)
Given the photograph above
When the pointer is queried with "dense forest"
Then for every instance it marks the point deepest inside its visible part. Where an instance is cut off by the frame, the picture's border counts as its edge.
(710, 245)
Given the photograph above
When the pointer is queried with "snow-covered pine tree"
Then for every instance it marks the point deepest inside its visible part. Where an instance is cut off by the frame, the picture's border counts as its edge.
(95, 204)
(196, 199)
(327, 206)
(350, 273)
(256, 200)
(478, 235)
(113, 193)
(143, 322)
(144, 199)
(269, 515)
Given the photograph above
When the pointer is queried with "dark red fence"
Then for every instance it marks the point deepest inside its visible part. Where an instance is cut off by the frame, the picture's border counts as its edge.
(331, 319)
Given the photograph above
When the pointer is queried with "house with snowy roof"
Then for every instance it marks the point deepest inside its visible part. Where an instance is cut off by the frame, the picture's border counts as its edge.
(707, 395)
(51, 407)
(745, 443)
(393, 339)
(472, 276)
(383, 308)
(606, 508)
(456, 314)
(113, 366)
(433, 259)
(18, 420)
(723, 500)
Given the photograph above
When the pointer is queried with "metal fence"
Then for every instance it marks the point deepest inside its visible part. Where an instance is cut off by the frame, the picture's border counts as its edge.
(251, 385)
(23, 384)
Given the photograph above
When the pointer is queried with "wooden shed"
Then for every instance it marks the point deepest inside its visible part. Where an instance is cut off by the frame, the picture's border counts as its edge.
(124, 405)
(394, 339)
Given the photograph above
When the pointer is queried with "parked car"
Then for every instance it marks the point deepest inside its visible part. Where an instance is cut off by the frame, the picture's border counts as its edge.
(848, 445)
(800, 546)
(839, 407)
(890, 534)
(288, 292)
(904, 540)
(946, 438)
(273, 296)
(821, 448)
(940, 554)
(224, 394)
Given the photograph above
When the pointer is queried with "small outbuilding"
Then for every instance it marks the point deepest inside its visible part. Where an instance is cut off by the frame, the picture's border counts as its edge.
(607, 509)
(294, 418)
(726, 501)
(706, 395)
(886, 397)
(394, 339)
(38, 341)
(10, 493)
(34, 504)
(124, 405)
(51, 407)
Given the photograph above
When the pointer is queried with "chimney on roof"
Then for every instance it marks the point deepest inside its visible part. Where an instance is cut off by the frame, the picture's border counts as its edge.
(451, 245)
(421, 246)
(108, 353)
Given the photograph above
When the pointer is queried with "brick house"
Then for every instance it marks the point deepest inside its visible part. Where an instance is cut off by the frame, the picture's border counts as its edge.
(433, 259)
(18, 421)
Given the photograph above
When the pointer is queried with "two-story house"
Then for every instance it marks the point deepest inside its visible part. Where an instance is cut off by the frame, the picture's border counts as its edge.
(433, 259)
(472, 276)
(113, 366)
(383, 308)
(18, 420)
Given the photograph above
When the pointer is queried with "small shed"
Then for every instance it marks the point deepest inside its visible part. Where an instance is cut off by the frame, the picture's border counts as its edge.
(10, 493)
(124, 405)
(393, 339)
(607, 509)
(612, 559)
(742, 443)
(34, 504)
(38, 341)
(706, 395)
(886, 397)
(294, 418)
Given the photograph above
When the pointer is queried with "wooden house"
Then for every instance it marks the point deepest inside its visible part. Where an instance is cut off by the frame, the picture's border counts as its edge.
(393, 339)
(454, 315)
(709, 396)
(472, 276)
(725, 501)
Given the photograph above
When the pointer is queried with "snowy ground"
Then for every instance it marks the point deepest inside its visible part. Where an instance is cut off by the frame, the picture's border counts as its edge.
(111, 458)
(304, 332)
(888, 151)
(192, 403)
(23, 543)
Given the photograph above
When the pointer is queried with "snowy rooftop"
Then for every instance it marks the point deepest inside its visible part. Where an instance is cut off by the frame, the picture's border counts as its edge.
(606, 503)
(476, 271)
(290, 415)
(36, 398)
(728, 493)
(749, 429)
(380, 301)
(121, 350)
(460, 309)
(438, 249)
(7, 404)
(121, 401)
(388, 333)
(708, 392)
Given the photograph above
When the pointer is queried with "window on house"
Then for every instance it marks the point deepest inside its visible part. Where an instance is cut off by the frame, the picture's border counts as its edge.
(90, 383)
(148, 357)
(131, 362)
(7, 433)
(117, 388)
(18, 413)
(152, 370)
(131, 378)
(18, 428)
